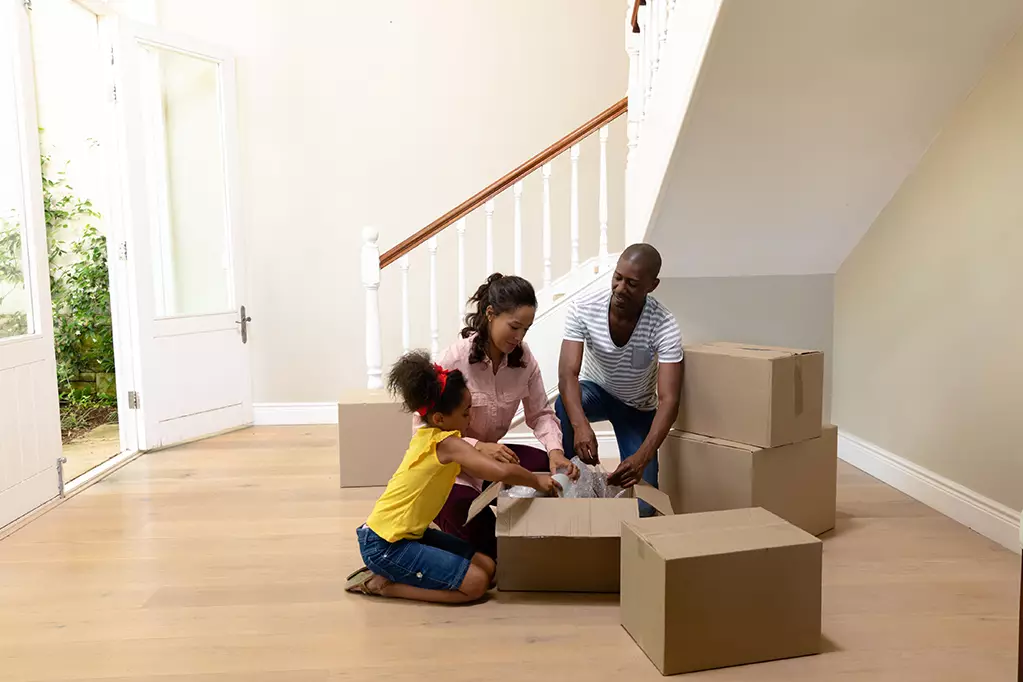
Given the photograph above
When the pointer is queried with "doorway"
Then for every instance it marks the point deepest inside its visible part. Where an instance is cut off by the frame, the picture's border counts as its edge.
(73, 110)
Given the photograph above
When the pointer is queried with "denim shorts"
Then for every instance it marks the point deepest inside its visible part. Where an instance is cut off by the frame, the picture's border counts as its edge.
(437, 561)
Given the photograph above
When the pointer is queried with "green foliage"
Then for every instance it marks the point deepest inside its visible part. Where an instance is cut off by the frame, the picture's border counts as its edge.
(79, 282)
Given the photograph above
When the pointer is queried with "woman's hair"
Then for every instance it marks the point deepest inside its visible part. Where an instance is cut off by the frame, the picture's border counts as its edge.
(414, 378)
(502, 295)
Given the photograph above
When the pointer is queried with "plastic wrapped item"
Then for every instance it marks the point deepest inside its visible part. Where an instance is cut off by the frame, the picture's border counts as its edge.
(592, 482)
(520, 491)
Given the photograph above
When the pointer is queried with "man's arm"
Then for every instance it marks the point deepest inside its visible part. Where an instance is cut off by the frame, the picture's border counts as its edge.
(669, 396)
(569, 366)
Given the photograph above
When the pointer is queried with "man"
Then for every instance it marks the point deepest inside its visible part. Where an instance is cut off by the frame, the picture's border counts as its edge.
(621, 361)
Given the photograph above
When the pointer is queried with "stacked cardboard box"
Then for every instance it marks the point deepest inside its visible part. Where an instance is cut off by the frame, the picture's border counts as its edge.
(749, 434)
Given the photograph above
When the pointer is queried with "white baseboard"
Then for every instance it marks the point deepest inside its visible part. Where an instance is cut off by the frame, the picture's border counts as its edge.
(991, 519)
(294, 414)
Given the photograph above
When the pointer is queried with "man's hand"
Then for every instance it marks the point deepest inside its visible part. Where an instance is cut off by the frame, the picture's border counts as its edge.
(498, 452)
(586, 444)
(629, 472)
(558, 461)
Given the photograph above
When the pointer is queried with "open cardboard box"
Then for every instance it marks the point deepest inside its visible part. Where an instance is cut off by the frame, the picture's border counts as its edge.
(554, 544)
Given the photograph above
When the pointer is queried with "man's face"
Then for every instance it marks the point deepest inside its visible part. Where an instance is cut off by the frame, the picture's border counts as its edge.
(630, 285)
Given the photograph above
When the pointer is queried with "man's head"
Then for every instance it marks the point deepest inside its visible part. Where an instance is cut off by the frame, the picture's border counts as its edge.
(634, 277)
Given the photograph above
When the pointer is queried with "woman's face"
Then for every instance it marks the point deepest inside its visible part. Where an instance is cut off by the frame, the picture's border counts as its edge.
(509, 328)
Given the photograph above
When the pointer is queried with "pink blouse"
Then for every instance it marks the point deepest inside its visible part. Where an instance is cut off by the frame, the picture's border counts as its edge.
(496, 398)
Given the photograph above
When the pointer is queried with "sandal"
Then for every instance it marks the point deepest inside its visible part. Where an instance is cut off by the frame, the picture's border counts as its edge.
(356, 582)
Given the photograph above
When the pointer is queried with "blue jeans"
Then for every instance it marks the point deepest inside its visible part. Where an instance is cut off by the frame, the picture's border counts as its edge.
(437, 561)
(630, 425)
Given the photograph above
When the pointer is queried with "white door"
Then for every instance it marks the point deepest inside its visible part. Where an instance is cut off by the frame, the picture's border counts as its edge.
(29, 413)
(177, 158)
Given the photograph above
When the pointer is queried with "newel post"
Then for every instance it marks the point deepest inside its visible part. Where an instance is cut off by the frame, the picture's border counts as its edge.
(371, 283)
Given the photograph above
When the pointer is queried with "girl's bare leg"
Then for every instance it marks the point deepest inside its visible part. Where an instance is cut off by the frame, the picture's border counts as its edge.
(473, 587)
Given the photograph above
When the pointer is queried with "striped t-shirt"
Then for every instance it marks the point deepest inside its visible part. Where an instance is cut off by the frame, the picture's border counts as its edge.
(629, 373)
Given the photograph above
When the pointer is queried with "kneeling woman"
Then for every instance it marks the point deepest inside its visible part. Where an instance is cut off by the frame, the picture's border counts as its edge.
(404, 557)
(502, 374)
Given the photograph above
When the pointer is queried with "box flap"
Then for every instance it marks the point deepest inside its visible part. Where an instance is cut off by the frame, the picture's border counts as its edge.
(655, 498)
(559, 517)
(724, 532)
(484, 499)
(759, 348)
(367, 396)
(748, 350)
(710, 440)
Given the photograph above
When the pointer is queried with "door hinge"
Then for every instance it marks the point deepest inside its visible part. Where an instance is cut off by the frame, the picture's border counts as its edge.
(122, 251)
(114, 92)
(111, 56)
(133, 400)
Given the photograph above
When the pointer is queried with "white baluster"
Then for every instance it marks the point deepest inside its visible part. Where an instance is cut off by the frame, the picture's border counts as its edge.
(517, 192)
(431, 246)
(370, 258)
(656, 19)
(546, 224)
(644, 58)
(665, 17)
(406, 323)
(460, 308)
(488, 210)
(574, 222)
(634, 117)
(602, 206)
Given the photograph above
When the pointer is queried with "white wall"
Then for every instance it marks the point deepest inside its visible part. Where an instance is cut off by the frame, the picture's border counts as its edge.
(790, 311)
(806, 118)
(390, 113)
(928, 329)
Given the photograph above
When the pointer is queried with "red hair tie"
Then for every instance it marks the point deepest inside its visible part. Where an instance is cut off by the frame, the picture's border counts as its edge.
(442, 376)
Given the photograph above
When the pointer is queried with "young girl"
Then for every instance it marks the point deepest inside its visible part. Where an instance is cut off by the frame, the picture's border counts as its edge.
(404, 557)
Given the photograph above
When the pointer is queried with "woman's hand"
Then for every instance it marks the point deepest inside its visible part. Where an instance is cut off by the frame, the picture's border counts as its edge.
(498, 452)
(560, 464)
(548, 486)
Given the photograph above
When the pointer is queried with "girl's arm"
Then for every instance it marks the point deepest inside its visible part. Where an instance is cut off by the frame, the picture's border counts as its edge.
(475, 463)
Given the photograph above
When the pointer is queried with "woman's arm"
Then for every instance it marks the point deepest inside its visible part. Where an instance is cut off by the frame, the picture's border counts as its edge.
(474, 463)
(539, 414)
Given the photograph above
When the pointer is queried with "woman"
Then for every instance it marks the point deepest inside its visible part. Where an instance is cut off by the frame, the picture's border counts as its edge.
(501, 373)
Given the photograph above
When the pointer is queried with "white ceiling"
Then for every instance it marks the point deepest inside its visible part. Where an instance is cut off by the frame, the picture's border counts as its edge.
(807, 117)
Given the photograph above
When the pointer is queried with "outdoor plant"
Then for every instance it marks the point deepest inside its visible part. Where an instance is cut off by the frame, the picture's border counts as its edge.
(80, 290)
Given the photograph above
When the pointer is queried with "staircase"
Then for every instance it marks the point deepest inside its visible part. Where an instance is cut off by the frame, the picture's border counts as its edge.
(646, 29)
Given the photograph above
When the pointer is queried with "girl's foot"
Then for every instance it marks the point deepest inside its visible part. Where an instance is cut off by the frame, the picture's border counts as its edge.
(364, 581)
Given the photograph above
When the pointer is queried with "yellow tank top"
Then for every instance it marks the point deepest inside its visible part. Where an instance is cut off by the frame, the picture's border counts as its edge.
(417, 490)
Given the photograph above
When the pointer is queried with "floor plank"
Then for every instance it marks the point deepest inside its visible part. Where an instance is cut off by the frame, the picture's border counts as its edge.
(223, 561)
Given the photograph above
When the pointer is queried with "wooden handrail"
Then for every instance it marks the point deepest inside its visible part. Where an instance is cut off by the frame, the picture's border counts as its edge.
(492, 190)
(635, 15)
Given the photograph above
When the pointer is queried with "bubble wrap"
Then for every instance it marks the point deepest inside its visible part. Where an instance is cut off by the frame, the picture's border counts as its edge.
(592, 482)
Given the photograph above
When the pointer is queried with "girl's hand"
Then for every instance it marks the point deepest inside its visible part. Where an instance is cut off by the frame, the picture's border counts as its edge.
(547, 485)
(560, 464)
(498, 452)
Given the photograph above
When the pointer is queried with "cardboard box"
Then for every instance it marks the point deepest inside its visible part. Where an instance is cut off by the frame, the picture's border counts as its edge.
(373, 435)
(797, 481)
(551, 544)
(752, 394)
(703, 591)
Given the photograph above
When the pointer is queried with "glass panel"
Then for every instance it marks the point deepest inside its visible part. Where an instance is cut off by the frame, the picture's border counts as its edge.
(188, 189)
(15, 293)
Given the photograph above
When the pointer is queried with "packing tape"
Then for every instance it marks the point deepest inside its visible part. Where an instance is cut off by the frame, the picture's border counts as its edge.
(798, 388)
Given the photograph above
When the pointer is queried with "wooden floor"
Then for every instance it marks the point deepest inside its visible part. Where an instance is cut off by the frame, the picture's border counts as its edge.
(223, 561)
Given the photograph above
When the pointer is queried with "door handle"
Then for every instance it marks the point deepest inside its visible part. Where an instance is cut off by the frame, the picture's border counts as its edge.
(244, 322)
